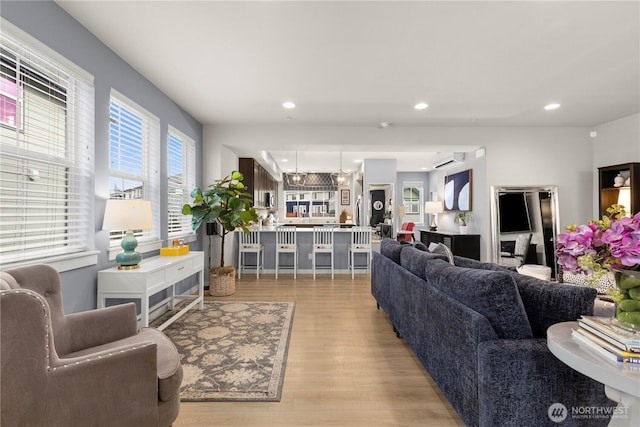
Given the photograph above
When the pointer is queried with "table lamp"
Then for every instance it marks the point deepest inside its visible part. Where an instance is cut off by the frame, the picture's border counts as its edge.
(433, 208)
(128, 215)
(402, 211)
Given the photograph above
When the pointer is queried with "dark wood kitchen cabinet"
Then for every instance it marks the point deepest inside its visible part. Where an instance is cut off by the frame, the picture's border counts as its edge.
(259, 183)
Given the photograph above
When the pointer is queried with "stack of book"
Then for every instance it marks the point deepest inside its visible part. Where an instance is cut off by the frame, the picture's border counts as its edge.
(603, 336)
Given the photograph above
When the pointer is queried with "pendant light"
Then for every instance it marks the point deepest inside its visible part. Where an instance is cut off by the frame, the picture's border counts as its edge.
(296, 179)
(341, 177)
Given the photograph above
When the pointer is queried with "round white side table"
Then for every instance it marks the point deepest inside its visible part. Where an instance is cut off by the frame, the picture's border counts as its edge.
(621, 383)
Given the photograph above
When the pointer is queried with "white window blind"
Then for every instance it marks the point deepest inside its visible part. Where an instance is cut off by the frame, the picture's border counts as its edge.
(134, 160)
(46, 152)
(181, 160)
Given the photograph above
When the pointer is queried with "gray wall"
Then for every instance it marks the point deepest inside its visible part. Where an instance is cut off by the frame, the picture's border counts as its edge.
(51, 25)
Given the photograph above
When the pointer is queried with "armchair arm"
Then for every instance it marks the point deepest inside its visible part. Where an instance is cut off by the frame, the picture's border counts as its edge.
(519, 379)
(96, 327)
(111, 388)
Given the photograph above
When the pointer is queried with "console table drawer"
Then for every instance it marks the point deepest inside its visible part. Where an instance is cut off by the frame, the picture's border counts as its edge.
(179, 270)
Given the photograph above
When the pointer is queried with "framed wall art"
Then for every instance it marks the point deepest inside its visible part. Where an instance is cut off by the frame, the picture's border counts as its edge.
(457, 191)
(345, 197)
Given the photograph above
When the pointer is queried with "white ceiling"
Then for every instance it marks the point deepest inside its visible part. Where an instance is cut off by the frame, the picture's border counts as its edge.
(358, 63)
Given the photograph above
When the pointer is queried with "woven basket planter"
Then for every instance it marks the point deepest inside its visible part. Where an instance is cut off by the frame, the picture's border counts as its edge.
(222, 281)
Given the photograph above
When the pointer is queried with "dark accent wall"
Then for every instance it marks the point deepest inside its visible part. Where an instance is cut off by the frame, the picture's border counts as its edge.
(51, 25)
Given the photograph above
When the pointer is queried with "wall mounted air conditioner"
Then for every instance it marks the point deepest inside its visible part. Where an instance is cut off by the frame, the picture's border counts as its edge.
(448, 159)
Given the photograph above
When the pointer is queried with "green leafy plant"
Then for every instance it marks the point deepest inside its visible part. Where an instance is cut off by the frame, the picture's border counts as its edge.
(462, 218)
(225, 202)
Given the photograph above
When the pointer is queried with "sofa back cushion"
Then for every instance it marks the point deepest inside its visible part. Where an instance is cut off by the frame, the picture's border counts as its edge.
(478, 265)
(391, 249)
(493, 294)
(548, 303)
(415, 260)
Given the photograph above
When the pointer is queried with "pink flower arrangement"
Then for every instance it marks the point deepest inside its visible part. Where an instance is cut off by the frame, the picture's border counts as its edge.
(594, 249)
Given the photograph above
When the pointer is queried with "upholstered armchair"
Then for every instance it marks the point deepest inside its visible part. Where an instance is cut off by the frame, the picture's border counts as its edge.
(517, 257)
(88, 368)
(406, 232)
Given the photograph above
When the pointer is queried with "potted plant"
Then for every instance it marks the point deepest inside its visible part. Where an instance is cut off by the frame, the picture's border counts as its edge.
(462, 219)
(227, 203)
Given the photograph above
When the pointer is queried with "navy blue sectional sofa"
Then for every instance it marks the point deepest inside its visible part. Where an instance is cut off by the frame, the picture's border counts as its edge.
(480, 332)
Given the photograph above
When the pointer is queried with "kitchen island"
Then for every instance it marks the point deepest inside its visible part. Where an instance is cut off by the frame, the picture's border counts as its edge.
(341, 240)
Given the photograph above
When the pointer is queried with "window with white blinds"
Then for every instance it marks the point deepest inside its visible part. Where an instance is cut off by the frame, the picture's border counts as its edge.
(134, 160)
(412, 197)
(181, 161)
(46, 152)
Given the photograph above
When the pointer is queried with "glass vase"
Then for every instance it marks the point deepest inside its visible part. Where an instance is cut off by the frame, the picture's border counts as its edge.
(628, 298)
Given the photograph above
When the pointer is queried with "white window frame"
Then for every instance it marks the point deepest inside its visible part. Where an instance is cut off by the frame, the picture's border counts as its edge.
(148, 240)
(70, 242)
(180, 185)
(415, 217)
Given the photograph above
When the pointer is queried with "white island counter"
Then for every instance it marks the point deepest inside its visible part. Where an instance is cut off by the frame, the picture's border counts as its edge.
(342, 238)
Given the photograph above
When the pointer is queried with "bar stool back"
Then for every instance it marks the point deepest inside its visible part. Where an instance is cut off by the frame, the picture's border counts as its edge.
(360, 243)
(286, 242)
(250, 243)
(322, 243)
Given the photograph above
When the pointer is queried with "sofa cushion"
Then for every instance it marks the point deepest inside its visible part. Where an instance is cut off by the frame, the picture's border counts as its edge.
(548, 303)
(391, 249)
(478, 265)
(415, 260)
(420, 246)
(493, 294)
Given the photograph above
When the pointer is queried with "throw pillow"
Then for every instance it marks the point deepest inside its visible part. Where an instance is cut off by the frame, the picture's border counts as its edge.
(421, 246)
(439, 248)
(493, 294)
(414, 260)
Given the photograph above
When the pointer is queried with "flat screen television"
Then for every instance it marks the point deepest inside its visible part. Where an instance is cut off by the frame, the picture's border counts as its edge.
(514, 213)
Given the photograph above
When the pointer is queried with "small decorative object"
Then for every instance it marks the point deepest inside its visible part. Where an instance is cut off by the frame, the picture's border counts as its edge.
(611, 244)
(618, 181)
(128, 215)
(627, 183)
(462, 219)
(228, 203)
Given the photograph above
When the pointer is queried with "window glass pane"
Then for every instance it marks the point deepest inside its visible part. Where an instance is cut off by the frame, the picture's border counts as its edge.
(181, 172)
(46, 166)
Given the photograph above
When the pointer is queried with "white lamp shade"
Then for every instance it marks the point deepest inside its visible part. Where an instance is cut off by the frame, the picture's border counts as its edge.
(433, 207)
(127, 215)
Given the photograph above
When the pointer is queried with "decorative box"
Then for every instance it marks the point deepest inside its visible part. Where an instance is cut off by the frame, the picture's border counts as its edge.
(174, 250)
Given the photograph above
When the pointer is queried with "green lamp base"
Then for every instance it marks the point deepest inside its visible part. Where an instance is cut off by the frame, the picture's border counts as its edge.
(129, 259)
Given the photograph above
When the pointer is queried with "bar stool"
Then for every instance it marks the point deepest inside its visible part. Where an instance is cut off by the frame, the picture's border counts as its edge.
(322, 244)
(250, 243)
(286, 243)
(360, 243)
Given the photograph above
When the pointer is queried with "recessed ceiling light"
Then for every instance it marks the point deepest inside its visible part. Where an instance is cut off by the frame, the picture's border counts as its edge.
(357, 161)
(288, 105)
(421, 106)
(285, 160)
(424, 168)
(549, 107)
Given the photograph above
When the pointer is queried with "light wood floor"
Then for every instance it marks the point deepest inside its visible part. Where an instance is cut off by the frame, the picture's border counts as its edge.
(345, 365)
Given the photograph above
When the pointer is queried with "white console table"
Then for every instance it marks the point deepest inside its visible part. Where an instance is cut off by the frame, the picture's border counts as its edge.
(154, 275)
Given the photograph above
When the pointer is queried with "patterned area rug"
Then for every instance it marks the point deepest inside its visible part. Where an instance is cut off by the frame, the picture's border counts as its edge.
(233, 351)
